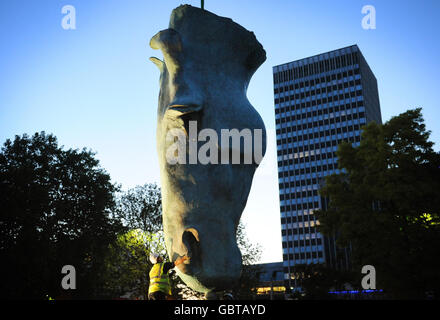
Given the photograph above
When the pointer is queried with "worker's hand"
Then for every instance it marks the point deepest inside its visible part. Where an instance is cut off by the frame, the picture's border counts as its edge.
(180, 260)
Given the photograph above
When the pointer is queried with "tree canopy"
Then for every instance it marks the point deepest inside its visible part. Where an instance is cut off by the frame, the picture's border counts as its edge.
(128, 265)
(59, 207)
(140, 208)
(386, 204)
(55, 207)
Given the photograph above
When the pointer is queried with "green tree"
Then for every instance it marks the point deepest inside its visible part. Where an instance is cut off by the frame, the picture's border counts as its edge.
(55, 208)
(140, 208)
(386, 203)
(251, 255)
(128, 264)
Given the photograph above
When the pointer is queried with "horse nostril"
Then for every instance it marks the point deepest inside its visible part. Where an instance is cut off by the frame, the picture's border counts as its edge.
(190, 239)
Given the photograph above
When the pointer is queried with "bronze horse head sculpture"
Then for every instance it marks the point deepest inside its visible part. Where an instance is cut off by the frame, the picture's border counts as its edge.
(208, 63)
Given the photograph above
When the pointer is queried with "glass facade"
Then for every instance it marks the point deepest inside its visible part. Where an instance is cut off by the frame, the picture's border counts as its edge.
(320, 101)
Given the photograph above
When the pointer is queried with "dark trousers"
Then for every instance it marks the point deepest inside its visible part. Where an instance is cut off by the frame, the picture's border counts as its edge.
(158, 295)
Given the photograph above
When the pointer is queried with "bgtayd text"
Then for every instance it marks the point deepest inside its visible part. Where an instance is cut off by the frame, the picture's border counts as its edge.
(223, 309)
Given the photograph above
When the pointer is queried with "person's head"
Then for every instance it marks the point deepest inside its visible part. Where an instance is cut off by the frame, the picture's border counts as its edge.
(155, 258)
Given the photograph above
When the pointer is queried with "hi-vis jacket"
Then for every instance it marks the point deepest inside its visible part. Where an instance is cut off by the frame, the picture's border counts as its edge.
(159, 281)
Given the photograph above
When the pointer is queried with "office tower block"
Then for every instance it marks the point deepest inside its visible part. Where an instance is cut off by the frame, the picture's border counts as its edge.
(320, 101)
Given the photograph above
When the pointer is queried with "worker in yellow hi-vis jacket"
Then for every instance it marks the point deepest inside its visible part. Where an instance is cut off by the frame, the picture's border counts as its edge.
(160, 288)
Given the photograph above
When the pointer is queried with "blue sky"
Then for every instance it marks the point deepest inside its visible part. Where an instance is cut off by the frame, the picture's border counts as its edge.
(94, 86)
